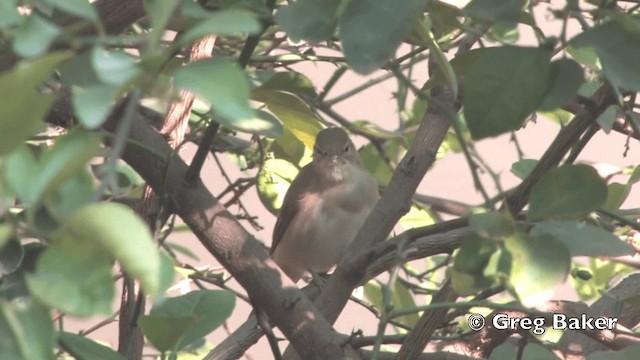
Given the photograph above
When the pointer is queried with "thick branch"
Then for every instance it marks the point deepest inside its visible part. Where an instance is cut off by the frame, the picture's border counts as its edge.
(220, 233)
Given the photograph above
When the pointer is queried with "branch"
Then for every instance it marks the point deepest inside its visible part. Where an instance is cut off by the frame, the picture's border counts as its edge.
(568, 136)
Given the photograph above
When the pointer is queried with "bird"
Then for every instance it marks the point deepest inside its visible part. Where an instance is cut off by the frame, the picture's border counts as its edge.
(325, 206)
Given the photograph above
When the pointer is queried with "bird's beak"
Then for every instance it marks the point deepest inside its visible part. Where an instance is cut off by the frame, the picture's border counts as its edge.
(334, 158)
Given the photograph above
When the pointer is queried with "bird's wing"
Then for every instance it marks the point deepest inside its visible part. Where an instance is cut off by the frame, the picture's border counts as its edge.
(290, 207)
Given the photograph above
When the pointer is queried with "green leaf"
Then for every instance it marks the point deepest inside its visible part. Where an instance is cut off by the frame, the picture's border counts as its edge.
(504, 87)
(522, 168)
(311, 20)
(26, 330)
(20, 99)
(616, 195)
(570, 191)
(70, 154)
(80, 8)
(93, 104)
(262, 123)
(505, 12)
(225, 22)
(113, 67)
(469, 264)
(537, 265)
(584, 239)
(416, 217)
(164, 332)
(72, 194)
(565, 78)
(294, 113)
(209, 308)
(461, 65)
(370, 157)
(558, 116)
(9, 15)
(34, 36)
(291, 82)
(74, 276)
(21, 169)
(584, 55)
(81, 347)
(119, 232)
(403, 299)
(493, 225)
(223, 84)
(273, 181)
(617, 44)
(370, 36)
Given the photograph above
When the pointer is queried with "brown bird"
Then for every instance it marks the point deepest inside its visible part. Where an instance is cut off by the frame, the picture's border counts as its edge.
(324, 207)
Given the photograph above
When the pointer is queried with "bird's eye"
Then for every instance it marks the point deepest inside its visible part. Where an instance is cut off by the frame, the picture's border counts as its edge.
(346, 148)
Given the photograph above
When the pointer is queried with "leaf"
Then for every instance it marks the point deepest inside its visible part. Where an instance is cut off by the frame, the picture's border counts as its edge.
(522, 168)
(79, 71)
(224, 22)
(503, 87)
(303, 123)
(223, 84)
(570, 191)
(372, 30)
(9, 15)
(92, 105)
(616, 195)
(20, 99)
(416, 217)
(21, 169)
(492, 225)
(119, 232)
(291, 82)
(209, 308)
(80, 8)
(617, 44)
(311, 20)
(500, 11)
(537, 265)
(461, 65)
(469, 264)
(565, 78)
(74, 276)
(164, 332)
(70, 153)
(81, 347)
(72, 194)
(402, 298)
(34, 36)
(584, 239)
(558, 116)
(113, 67)
(273, 181)
(26, 330)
